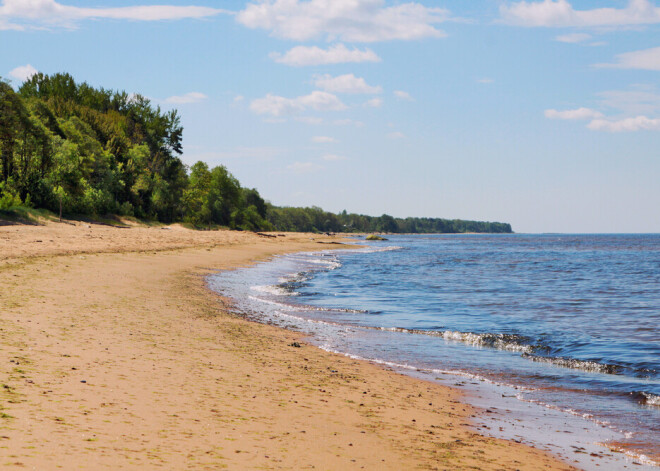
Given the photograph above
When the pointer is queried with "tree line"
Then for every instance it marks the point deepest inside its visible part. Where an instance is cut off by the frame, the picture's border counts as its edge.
(315, 219)
(74, 149)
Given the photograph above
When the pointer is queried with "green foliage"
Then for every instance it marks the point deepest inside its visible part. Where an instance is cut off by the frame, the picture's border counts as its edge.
(71, 148)
(8, 199)
(316, 220)
(374, 237)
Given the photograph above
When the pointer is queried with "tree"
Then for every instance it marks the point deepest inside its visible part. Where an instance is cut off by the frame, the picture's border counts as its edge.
(195, 197)
(14, 120)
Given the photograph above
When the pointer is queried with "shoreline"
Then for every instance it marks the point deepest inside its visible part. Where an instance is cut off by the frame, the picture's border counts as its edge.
(123, 360)
(503, 413)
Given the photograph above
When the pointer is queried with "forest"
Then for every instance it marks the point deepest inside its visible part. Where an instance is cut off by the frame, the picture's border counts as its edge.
(82, 151)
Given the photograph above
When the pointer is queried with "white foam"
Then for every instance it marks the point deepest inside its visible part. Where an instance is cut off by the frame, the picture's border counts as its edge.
(292, 277)
(651, 399)
(498, 341)
(584, 365)
(330, 264)
(379, 249)
(286, 307)
(273, 289)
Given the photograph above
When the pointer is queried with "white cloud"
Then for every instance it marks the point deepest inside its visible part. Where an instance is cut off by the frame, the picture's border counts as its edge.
(347, 20)
(192, 97)
(577, 114)
(278, 105)
(22, 14)
(638, 123)
(347, 83)
(333, 157)
(323, 139)
(301, 56)
(573, 38)
(647, 59)
(560, 13)
(304, 167)
(633, 110)
(396, 135)
(374, 103)
(238, 98)
(23, 72)
(401, 95)
(485, 80)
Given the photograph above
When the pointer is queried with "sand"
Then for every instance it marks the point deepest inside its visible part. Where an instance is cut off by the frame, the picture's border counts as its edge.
(114, 355)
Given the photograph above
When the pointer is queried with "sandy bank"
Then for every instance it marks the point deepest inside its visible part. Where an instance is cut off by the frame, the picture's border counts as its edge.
(113, 355)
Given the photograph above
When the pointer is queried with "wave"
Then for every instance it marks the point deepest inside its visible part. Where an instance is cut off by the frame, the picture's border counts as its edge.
(642, 458)
(584, 365)
(328, 260)
(332, 264)
(284, 306)
(297, 277)
(368, 249)
(524, 345)
(647, 399)
(509, 342)
(305, 307)
(276, 290)
(527, 347)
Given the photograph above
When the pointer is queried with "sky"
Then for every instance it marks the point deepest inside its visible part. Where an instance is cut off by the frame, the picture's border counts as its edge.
(544, 114)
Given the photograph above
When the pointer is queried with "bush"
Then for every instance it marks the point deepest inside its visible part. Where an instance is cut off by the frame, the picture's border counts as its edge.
(126, 209)
(8, 199)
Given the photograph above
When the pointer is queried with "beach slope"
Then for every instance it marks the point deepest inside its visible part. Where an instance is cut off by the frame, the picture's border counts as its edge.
(114, 355)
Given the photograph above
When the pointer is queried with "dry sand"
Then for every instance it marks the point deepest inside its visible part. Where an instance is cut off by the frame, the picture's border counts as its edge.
(114, 355)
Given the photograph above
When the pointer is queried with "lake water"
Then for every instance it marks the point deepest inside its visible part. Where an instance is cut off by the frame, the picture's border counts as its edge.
(566, 324)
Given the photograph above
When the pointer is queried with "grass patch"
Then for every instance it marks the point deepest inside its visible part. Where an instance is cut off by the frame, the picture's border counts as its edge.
(31, 216)
(25, 215)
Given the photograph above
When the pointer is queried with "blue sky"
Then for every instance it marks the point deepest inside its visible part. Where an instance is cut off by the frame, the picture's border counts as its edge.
(544, 114)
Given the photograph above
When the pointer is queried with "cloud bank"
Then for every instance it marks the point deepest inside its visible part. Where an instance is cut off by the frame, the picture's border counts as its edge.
(275, 105)
(635, 110)
(26, 14)
(345, 20)
(560, 13)
(347, 83)
(192, 97)
(301, 56)
(580, 113)
(23, 72)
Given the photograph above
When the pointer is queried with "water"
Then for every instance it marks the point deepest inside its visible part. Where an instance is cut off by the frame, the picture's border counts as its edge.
(568, 322)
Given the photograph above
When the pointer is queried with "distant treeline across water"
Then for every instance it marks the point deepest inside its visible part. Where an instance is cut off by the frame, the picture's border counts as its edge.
(315, 219)
(78, 150)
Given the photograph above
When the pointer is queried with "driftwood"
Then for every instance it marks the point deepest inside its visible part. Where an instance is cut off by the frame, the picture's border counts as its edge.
(261, 234)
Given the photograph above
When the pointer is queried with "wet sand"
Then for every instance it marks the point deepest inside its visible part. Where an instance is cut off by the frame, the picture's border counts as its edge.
(114, 355)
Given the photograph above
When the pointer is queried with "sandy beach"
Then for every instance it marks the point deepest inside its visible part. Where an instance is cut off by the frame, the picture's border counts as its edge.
(114, 355)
